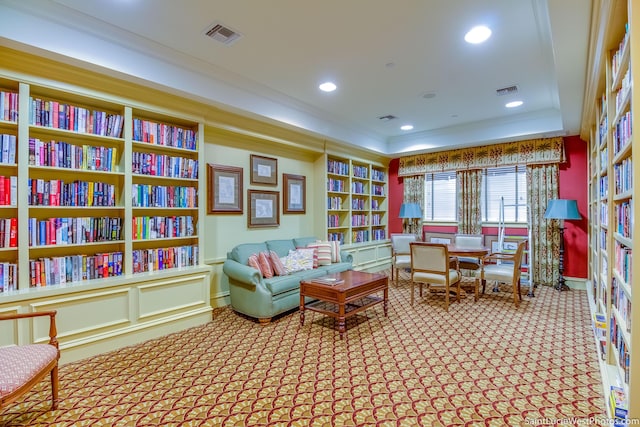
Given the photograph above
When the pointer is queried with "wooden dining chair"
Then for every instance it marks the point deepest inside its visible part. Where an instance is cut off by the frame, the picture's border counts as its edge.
(23, 366)
(503, 268)
(431, 266)
(400, 253)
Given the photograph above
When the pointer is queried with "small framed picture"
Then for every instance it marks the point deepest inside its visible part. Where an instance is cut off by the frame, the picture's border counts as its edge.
(224, 185)
(264, 208)
(264, 170)
(294, 192)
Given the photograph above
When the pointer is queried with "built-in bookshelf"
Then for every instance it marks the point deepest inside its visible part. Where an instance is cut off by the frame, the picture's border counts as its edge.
(613, 186)
(356, 200)
(106, 190)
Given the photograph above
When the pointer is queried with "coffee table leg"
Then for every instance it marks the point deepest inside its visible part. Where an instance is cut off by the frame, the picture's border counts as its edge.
(342, 324)
(384, 302)
(301, 310)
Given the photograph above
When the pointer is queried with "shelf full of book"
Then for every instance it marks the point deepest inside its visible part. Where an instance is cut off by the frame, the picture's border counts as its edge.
(109, 190)
(613, 186)
(355, 199)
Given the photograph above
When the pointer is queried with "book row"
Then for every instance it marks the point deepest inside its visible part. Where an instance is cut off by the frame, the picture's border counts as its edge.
(621, 302)
(8, 277)
(74, 268)
(334, 203)
(377, 175)
(621, 349)
(164, 134)
(8, 190)
(603, 127)
(358, 187)
(360, 236)
(148, 260)
(58, 115)
(623, 262)
(624, 218)
(359, 220)
(623, 93)
(622, 133)
(74, 230)
(333, 221)
(56, 192)
(160, 227)
(360, 171)
(379, 234)
(336, 185)
(8, 106)
(153, 164)
(61, 154)
(616, 59)
(358, 204)
(623, 176)
(9, 232)
(8, 149)
(160, 196)
(337, 167)
(336, 237)
(604, 156)
(377, 190)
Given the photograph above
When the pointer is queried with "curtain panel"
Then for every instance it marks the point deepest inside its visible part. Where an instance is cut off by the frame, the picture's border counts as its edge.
(469, 184)
(414, 193)
(532, 151)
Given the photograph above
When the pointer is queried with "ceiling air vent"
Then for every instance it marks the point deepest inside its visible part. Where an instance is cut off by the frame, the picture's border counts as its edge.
(223, 34)
(507, 90)
(387, 117)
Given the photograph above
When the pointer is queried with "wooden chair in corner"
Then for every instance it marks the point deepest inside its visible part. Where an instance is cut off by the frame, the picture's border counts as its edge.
(503, 268)
(400, 253)
(23, 366)
(431, 265)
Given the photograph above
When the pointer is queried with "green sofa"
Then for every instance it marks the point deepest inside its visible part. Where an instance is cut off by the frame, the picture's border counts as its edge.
(253, 295)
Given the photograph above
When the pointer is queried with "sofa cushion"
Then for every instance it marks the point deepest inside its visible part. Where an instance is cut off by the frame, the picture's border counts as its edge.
(302, 242)
(243, 251)
(253, 262)
(280, 284)
(281, 247)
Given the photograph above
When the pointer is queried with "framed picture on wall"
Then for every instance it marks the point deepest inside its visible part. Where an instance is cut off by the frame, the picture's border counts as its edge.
(264, 208)
(264, 170)
(295, 193)
(224, 185)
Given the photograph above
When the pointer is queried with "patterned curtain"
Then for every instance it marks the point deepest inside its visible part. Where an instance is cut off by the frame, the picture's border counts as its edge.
(469, 184)
(542, 185)
(414, 193)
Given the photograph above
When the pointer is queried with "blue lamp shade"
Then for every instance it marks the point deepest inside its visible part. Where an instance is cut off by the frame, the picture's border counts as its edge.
(562, 209)
(410, 210)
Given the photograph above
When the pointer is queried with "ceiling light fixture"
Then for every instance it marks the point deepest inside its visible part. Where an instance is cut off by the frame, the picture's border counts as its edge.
(513, 104)
(406, 127)
(328, 87)
(477, 34)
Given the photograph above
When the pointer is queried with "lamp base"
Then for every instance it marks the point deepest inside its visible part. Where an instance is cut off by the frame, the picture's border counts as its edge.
(561, 286)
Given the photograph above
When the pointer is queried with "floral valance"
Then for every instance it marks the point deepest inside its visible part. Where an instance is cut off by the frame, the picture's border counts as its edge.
(532, 151)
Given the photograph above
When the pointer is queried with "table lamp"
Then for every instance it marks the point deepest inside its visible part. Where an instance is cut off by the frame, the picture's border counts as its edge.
(562, 209)
(410, 212)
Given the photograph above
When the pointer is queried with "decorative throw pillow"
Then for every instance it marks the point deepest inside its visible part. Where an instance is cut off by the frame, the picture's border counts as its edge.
(315, 254)
(306, 258)
(253, 262)
(323, 250)
(335, 249)
(265, 264)
(277, 265)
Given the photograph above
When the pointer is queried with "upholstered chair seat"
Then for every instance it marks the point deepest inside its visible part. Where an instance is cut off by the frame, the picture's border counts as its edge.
(23, 366)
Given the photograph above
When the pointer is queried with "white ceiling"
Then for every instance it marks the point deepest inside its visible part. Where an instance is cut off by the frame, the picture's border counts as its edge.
(384, 56)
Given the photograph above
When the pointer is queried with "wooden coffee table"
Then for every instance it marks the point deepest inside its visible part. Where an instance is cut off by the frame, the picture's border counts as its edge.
(354, 294)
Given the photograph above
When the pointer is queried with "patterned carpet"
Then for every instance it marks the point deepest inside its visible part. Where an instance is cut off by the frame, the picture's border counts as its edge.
(481, 364)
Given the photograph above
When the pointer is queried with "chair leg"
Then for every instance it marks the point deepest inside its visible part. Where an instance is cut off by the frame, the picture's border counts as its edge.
(412, 285)
(54, 388)
(516, 294)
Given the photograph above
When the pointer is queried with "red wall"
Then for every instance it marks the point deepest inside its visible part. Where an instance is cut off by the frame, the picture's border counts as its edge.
(573, 185)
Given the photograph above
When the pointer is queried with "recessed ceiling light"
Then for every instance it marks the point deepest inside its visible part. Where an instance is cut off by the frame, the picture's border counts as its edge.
(328, 87)
(513, 104)
(406, 127)
(477, 34)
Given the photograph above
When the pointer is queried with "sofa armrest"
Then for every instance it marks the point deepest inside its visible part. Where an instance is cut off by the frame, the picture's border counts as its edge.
(241, 273)
(346, 257)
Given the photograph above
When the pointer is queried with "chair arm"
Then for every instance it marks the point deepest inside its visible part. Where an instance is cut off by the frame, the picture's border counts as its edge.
(498, 256)
(454, 263)
(53, 332)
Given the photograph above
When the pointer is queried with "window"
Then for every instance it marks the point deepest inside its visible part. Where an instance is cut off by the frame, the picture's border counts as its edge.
(509, 183)
(440, 196)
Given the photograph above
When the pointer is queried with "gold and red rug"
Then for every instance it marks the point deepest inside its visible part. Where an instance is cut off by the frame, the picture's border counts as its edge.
(481, 364)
